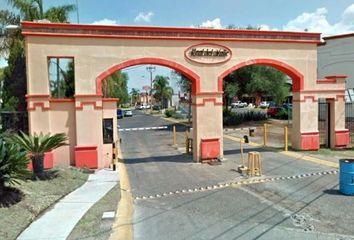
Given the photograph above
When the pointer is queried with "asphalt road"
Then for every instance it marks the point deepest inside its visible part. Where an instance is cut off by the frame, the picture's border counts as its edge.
(301, 208)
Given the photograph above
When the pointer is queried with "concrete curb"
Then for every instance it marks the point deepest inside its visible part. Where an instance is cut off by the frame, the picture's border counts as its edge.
(122, 228)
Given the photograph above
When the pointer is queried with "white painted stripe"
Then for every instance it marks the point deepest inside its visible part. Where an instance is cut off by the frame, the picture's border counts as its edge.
(141, 129)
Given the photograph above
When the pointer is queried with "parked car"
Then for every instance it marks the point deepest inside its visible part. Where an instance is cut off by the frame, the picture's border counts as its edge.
(251, 105)
(128, 113)
(273, 111)
(120, 113)
(288, 105)
(156, 108)
(264, 104)
(238, 104)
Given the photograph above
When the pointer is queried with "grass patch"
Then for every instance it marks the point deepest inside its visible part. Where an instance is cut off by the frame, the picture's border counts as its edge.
(37, 197)
(345, 153)
(91, 226)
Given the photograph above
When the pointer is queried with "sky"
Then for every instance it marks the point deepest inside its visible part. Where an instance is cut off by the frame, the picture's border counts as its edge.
(329, 17)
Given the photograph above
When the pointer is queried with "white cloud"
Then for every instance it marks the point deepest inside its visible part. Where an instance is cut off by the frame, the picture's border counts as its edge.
(216, 23)
(106, 22)
(317, 22)
(266, 27)
(144, 17)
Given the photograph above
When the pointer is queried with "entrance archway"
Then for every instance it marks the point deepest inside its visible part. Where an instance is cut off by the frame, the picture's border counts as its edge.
(192, 76)
(205, 56)
(295, 75)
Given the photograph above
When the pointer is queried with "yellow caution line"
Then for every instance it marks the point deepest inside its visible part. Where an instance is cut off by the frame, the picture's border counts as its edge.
(122, 228)
(291, 154)
(236, 139)
(311, 159)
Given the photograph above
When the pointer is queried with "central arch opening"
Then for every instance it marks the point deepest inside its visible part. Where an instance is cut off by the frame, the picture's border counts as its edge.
(150, 90)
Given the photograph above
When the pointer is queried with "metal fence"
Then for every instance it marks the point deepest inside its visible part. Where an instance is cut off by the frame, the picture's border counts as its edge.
(349, 121)
(324, 119)
(323, 123)
(13, 121)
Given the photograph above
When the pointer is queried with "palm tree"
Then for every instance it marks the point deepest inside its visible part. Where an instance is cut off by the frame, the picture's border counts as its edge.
(135, 93)
(116, 86)
(12, 46)
(36, 145)
(161, 89)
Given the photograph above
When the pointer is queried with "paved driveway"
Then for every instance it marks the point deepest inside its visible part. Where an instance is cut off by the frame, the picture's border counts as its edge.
(305, 207)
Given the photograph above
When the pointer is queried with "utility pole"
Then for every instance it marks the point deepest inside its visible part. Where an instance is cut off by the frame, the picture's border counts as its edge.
(151, 69)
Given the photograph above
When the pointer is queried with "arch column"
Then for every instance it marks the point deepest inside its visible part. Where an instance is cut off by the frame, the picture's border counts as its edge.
(305, 134)
(89, 139)
(207, 125)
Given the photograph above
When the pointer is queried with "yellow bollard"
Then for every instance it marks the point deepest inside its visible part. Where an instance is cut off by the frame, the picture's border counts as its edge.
(265, 134)
(241, 151)
(174, 135)
(285, 139)
(187, 142)
(114, 156)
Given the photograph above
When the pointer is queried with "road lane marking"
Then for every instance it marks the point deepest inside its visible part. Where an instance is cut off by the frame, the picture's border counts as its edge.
(141, 129)
(236, 184)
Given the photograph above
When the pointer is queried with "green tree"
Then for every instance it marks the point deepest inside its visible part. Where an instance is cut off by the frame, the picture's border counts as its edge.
(37, 145)
(269, 81)
(257, 81)
(186, 87)
(13, 45)
(134, 95)
(116, 86)
(161, 89)
(231, 90)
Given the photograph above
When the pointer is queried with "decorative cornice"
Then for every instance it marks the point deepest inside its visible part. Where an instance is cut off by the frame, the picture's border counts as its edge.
(139, 32)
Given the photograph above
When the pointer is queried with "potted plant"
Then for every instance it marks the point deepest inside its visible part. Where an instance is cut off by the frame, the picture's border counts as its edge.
(37, 145)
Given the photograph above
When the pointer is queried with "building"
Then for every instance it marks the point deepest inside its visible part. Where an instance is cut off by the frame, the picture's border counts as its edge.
(336, 56)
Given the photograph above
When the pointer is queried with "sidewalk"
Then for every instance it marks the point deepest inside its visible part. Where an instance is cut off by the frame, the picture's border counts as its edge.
(58, 222)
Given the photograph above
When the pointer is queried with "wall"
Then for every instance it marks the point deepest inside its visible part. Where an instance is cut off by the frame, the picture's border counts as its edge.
(336, 57)
(62, 120)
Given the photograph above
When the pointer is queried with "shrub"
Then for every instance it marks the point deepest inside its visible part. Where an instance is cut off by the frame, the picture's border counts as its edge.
(178, 115)
(13, 164)
(235, 118)
(283, 114)
(36, 145)
(169, 112)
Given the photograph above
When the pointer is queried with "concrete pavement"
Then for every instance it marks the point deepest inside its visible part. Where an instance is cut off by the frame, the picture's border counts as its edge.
(58, 222)
(304, 208)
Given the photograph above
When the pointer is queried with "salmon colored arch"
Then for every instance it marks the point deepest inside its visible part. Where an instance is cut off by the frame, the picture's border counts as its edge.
(157, 61)
(296, 76)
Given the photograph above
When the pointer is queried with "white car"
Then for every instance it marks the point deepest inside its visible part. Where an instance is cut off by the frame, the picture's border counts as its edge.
(239, 104)
(264, 104)
(128, 113)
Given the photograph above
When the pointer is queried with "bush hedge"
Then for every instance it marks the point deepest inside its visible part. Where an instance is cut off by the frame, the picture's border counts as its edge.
(170, 112)
(235, 118)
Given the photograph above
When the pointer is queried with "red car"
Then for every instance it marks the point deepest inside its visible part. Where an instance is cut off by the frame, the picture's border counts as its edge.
(272, 111)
